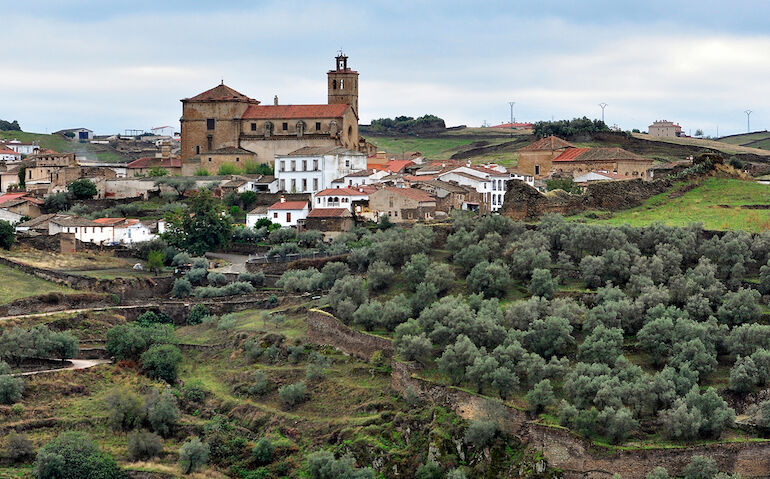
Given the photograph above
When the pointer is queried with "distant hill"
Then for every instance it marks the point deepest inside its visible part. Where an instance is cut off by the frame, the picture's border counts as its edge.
(757, 139)
(65, 145)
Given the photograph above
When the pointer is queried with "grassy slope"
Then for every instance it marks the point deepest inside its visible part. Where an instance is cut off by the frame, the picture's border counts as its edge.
(63, 145)
(747, 138)
(17, 284)
(728, 148)
(717, 203)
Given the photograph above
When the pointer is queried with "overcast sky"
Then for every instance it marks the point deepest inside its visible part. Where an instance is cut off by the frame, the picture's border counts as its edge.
(109, 66)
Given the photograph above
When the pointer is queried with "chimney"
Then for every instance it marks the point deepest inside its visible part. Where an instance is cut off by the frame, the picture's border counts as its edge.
(283, 199)
(275, 100)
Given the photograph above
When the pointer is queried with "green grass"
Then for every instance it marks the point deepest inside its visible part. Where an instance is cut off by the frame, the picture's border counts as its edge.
(432, 148)
(748, 139)
(717, 203)
(17, 284)
(64, 145)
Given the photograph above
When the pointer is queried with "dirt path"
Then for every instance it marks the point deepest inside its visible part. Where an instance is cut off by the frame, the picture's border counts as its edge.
(238, 262)
(76, 364)
(78, 310)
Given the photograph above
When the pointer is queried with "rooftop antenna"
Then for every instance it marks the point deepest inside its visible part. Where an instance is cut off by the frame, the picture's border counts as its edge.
(603, 106)
(222, 81)
(512, 119)
(748, 120)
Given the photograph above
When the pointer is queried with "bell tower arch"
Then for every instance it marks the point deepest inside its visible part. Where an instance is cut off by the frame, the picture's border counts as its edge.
(342, 83)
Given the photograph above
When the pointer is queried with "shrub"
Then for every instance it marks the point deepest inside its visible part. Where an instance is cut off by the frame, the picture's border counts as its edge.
(227, 322)
(368, 315)
(129, 341)
(263, 451)
(480, 433)
(414, 348)
(314, 372)
(162, 412)
(379, 275)
(199, 262)
(194, 392)
(196, 275)
(541, 396)
(11, 389)
(181, 259)
(293, 394)
(346, 296)
(193, 455)
(603, 345)
(542, 284)
(701, 467)
(216, 279)
(429, 470)
(126, 409)
(260, 385)
(144, 445)
(72, 455)
(331, 272)
(82, 189)
(197, 313)
(18, 447)
(658, 473)
(256, 279)
(323, 465)
(161, 362)
(182, 288)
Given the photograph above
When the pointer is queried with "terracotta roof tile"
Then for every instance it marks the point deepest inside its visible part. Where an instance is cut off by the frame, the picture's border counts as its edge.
(329, 213)
(289, 205)
(341, 192)
(411, 193)
(285, 112)
(220, 93)
(152, 162)
(548, 143)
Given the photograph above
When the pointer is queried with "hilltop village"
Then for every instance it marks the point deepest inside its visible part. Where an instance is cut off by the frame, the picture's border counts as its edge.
(275, 290)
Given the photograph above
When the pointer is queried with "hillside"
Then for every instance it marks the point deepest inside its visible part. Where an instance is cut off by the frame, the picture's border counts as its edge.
(64, 145)
(725, 147)
(759, 139)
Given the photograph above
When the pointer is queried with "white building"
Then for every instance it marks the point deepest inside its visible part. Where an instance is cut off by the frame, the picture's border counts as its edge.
(127, 230)
(286, 213)
(21, 148)
(360, 178)
(489, 181)
(8, 155)
(84, 229)
(312, 169)
(339, 198)
(10, 216)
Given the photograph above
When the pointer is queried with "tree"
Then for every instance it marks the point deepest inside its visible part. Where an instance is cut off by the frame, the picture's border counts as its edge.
(368, 315)
(379, 275)
(263, 451)
(155, 260)
(701, 467)
(18, 447)
(293, 394)
(63, 345)
(82, 189)
(480, 433)
(197, 313)
(481, 371)
(323, 465)
(7, 234)
(11, 389)
(162, 411)
(740, 307)
(698, 132)
(157, 172)
(549, 336)
(182, 288)
(125, 409)
(161, 362)
(56, 202)
(744, 375)
(491, 279)
(72, 455)
(178, 184)
(542, 284)
(346, 296)
(457, 357)
(429, 470)
(541, 396)
(144, 445)
(603, 345)
(414, 348)
(193, 455)
(201, 229)
(415, 269)
(22, 175)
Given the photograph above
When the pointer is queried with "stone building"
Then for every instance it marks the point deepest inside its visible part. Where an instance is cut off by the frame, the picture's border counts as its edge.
(221, 119)
(535, 158)
(663, 128)
(402, 204)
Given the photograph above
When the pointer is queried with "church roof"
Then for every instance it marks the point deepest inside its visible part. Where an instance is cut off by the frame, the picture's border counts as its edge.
(220, 92)
(286, 112)
(598, 154)
(549, 143)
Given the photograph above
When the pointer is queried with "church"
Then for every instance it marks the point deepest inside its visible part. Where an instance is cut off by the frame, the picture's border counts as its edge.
(222, 126)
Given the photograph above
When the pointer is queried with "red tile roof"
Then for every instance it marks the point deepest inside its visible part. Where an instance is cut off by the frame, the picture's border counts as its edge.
(285, 112)
(396, 166)
(329, 213)
(289, 205)
(8, 151)
(548, 143)
(220, 93)
(411, 193)
(12, 196)
(570, 154)
(341, 192)
(419, 178)
(152, 162)
(109, 221)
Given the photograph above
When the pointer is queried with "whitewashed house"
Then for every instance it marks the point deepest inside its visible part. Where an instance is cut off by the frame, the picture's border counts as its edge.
(84, 229)
(8, 155)
(312, 169)
(360, 178)
(339, 198)
(127, 230)
(258, 213)
(489, 181)
(20, 147)
(286, 213)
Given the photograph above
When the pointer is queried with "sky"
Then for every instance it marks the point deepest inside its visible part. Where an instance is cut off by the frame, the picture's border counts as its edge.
(111, 66)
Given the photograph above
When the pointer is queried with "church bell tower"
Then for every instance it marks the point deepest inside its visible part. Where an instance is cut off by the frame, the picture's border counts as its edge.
(343, 83)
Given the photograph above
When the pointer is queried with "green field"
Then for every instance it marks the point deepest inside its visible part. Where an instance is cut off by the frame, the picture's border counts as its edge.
(717, 203)
(759, 139)
(63, 145)
(21, 285)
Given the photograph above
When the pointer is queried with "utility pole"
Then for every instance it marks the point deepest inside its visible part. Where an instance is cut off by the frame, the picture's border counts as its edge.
(748, 120)
(603, 106)
(511, 103)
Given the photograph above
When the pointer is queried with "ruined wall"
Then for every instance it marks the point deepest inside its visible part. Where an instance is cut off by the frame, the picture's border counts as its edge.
(325, 329)
(525, 202)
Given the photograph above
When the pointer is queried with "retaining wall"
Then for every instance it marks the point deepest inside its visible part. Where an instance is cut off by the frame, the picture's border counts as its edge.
(575, 456)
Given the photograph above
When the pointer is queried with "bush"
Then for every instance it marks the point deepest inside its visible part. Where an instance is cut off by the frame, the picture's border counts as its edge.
(7, 234)
(323, 465)
(148, 318)
(162, 412)
(379, 275)
(181, 259)
(701, 467)
(541, 396)
(161, 362)
(197, 313)
(126, 409)
(194, 392)
(260, 385)
(129, 341)
(658, 473)
(542, 284)
(196, 275)
(414, 348)
(72, 455)
(182, 288)
(256, 279)
(430, 470)
(82, 189)
(18, 447)
(227, 322)
(293, 394)
(480, 433)
(216, 279)
(193, 455)
(263, 451)
(11, 389)
(314, 372)
(143, 445)
(346, 296)
(603, 345)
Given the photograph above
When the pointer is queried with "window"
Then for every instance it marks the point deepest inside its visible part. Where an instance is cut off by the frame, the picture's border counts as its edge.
(197, 149)
(293, 186)
(347, 163)
(537, 169)
(275, 215)
(315, 165)
(209, 123)
(253, 127)
(285, 126)
(304, 184)
(318, 200)
(293, 166)
(281, 168)
(315, 184)
(304, 165)
(318, 126)
(209, 143)
(237, 159)
(342, 83)
(288, 217)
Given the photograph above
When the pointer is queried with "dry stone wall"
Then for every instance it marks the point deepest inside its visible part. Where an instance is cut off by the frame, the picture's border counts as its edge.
(324, 329)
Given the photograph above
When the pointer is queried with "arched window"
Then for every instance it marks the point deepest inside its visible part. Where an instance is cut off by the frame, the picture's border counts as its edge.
(268, 129)
(334, 84)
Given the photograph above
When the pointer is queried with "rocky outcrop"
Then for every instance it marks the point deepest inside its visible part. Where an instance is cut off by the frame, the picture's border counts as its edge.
(324, 329)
